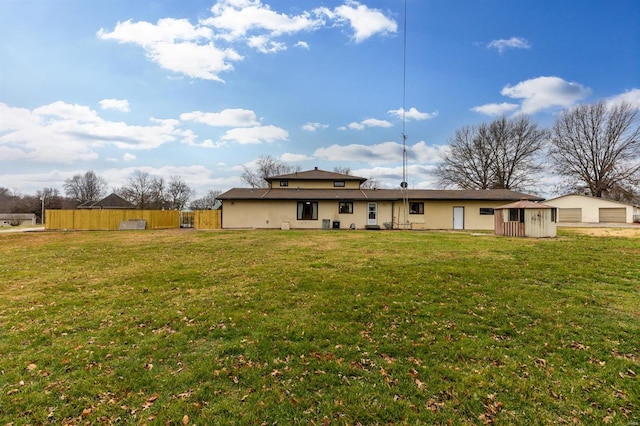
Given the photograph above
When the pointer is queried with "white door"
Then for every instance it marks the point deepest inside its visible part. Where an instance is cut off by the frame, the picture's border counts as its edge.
(458, 218)
(372, 214)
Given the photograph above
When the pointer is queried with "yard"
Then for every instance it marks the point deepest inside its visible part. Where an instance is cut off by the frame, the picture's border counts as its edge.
(319, 327)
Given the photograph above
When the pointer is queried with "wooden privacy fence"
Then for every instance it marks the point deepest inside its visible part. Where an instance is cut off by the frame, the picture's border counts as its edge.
(109, 220)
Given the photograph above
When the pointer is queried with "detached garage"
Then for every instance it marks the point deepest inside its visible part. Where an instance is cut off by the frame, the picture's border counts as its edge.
(585, 209)
(612, 215)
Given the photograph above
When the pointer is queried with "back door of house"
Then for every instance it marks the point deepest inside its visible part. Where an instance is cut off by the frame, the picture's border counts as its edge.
(458, 218)
(372, 214)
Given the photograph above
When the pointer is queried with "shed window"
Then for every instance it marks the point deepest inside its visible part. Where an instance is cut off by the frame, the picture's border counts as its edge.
(486, 211)
(307, 210)
(416, 208)
(554, 215)
(345, 207)
(516, 215)
(284, 183)
(338, 183)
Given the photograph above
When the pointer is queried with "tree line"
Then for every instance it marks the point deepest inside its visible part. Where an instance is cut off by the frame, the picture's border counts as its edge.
(142, 189)
(591, 148)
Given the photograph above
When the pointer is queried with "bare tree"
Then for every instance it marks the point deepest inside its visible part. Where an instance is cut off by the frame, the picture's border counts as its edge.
(84, 188)
(371, 184)
(143, 190)
(597, 146)
(178, 193)
(207, 202)
(343, 170)
(266, 166)
(500, 154)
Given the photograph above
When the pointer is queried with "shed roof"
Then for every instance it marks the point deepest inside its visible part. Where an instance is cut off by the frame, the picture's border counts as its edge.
(524, 204)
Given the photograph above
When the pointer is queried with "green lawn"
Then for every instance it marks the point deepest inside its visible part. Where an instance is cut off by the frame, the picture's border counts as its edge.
(320, 327)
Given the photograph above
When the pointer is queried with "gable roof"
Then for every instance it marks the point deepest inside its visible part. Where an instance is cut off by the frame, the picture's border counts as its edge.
(591, 197)
(112, 201)
(524, 204)
(316, 174)
(373, 194)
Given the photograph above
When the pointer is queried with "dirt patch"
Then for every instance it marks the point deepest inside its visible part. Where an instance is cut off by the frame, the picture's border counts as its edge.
(608, 232)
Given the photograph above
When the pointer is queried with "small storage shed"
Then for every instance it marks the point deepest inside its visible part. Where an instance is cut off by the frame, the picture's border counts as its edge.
(525, 218)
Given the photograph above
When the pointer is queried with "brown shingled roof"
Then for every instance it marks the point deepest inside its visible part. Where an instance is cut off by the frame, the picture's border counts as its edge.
(372, 194)
(316, 174)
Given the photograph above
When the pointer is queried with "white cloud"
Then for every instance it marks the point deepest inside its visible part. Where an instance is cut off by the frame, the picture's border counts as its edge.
(364, 22)
(255, 135)
(543, 93)
(294, 158)
(63, 133)
(369, 122)
(495, 109)
(177, 45)
(413, 114)
(263, 44)
(383, 153)
(128, 157)
(537, 94)
(236, 18)
(312, 127)
(116, 104)
(631, 96)
(230, 117)
(512, 43)
(207, 49)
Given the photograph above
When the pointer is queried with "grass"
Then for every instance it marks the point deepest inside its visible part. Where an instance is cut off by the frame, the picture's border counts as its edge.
(326, 327)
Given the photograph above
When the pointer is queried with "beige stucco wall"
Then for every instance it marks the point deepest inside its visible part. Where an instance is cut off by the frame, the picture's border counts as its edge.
(316, 184)
(272, 214)
(439, 215)
(590, 206)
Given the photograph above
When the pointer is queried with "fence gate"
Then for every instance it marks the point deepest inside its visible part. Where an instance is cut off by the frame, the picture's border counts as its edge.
(186, 219)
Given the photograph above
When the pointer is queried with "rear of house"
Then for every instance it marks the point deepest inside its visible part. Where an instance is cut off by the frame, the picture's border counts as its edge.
(318, 199)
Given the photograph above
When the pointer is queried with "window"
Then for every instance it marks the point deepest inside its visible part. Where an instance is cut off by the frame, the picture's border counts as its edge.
(416, 208)
(284, 183)
(486, 211)
(338, 183)
(307, 210)
(554, 215)
(345, 207)
(516, 215)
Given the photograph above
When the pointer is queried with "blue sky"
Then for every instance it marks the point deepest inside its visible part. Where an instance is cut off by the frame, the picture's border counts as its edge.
(199, 89)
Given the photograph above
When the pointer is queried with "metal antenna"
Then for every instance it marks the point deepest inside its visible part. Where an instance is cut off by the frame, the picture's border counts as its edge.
(404, 185)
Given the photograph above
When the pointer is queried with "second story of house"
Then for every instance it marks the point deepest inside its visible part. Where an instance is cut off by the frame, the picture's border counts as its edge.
(315, 179)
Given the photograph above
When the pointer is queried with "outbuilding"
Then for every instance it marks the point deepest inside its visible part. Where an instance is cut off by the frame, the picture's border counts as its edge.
(525, 218)
(577, 208)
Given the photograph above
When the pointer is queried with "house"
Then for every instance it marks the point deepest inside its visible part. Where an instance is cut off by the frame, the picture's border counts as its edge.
(317, 199)
(575, 208)
(16, 219)
(525, 218)
(113, 201)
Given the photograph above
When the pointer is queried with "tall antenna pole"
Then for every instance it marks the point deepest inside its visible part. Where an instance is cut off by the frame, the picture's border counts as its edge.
(404, 185)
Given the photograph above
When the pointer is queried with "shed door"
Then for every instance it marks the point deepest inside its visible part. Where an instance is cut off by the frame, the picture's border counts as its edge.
(569, 215)
(613, 215)
(458, 218)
